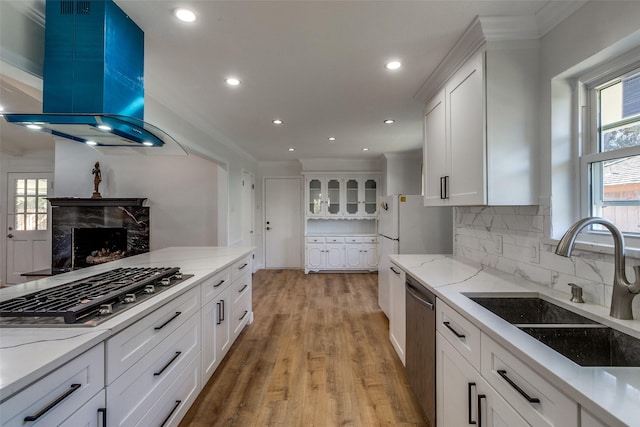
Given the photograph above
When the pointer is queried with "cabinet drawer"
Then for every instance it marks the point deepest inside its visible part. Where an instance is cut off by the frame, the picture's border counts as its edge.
(214, 285)
(92, 414)
(130, 345)
(73, 384)
(353, 239)
(506, 374)
(315, 239)
(240, 267)
(240, 287)
(334, 239)
(460, 332)
(240, 313)
(370, 239)
(133, 394)
(169, 408)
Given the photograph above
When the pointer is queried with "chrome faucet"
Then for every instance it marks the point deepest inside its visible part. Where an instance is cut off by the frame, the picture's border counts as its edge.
(623, 290)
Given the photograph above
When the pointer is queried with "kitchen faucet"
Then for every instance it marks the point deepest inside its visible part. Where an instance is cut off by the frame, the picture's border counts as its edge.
(623, 290)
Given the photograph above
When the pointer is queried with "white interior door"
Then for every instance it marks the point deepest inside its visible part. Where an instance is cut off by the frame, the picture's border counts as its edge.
(28, 224)
(283, 223)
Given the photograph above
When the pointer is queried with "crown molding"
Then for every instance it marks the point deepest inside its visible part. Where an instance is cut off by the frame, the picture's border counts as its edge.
(553, 13)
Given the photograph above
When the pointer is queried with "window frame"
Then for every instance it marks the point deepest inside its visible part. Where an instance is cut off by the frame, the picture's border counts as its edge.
(588, 152)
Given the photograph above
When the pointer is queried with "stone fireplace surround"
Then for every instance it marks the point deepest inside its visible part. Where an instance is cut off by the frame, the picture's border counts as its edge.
(69, 212)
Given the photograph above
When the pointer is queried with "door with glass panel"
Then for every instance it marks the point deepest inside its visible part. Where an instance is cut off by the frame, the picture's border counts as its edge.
(28, 224)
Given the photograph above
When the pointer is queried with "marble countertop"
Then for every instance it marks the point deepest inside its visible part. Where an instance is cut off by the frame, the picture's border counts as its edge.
(615, 390)
(27, 354)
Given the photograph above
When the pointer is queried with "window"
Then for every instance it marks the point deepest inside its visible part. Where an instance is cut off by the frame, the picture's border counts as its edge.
(611, 155)
(30, 204)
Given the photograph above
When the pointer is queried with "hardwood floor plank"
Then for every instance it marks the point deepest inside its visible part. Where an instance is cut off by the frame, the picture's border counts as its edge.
(317, 354)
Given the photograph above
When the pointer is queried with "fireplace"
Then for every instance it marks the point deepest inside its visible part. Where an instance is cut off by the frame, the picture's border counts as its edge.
(91, 246)
(86, 232)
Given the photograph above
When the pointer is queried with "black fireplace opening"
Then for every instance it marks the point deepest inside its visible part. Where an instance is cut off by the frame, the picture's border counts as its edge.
(92, 246)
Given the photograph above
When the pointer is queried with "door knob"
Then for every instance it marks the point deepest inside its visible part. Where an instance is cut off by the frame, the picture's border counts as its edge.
(268, 228)
(10, 235)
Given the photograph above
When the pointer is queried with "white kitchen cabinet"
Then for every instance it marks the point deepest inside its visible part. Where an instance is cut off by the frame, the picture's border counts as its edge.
(480, 132)
(397, 318)
(588, 420)
(323, 197)
(464, 397)
(59, 395)
(216, 332)
(341, 253)
(360, 255)
(240, 296)
(91, 414)
(360, 196)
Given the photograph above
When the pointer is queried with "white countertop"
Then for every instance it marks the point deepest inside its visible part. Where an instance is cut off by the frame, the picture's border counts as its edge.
(26, 354)
(615, 390)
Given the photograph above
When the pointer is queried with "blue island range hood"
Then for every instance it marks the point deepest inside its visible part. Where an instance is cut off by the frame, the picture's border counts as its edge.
(93, 79)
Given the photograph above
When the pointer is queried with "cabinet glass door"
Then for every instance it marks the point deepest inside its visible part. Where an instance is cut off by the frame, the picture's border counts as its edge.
(315, 197)
(351, 190)
(333, 196)
(370, 195)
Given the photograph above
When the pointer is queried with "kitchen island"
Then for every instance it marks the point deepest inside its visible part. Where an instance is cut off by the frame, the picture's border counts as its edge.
(567, 394)
(30, 355)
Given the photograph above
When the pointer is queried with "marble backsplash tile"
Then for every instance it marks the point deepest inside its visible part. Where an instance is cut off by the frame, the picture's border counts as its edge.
(512, 239)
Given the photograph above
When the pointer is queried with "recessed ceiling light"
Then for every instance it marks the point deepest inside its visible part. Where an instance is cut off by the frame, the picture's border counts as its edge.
(185, 15)
(389, 122)
(332, 138)
(292, 149)
(34, 127)
(393, 65)
(104, 127)
(277, 122)
(365, 149)
(232, 81)
(148, 144)
(91, 143)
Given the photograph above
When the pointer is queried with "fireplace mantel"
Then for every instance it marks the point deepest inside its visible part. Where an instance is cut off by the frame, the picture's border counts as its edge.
(87, 202)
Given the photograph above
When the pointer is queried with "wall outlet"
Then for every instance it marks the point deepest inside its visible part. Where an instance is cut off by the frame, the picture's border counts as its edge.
(534, 253)
(498, 244)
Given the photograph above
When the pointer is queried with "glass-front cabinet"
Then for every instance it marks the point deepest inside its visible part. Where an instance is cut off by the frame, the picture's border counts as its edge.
(323, 197)
(361, 195)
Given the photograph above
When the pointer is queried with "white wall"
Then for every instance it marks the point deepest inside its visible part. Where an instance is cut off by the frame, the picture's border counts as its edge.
(596, 32)
(181, 191)
(402, 173)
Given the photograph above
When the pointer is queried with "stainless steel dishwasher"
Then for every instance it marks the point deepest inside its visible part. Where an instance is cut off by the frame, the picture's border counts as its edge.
(421, 346)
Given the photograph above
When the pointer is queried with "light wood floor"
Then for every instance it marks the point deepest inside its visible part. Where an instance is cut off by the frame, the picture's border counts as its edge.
(317, 354)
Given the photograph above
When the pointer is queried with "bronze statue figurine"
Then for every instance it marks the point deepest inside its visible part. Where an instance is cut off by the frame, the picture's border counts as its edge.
(97, 179)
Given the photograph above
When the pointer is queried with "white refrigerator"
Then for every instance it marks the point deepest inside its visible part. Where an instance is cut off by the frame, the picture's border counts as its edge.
(406, 226)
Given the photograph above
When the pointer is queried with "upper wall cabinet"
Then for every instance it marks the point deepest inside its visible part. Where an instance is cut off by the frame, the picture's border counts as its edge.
(324, 195)
(340, 196)
(361, 194)
(480, 126)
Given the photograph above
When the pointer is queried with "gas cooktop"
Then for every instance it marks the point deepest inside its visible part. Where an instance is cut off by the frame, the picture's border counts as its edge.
(91, 300)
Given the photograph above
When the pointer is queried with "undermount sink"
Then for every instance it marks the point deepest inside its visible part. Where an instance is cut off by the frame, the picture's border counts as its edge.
(578, 338)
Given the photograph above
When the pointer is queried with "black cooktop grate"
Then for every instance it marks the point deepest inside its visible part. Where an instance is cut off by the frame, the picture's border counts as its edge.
(76, 300)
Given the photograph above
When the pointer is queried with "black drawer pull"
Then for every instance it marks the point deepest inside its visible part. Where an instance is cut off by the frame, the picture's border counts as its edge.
(480, 397)
(103, 411)
(448, 325)
(175, 356)
(53, 403)
(178, 402)
(470, 403)
(223, 316)
(504, 376)
(244, 315)
(394, 270)
(157, 328)
(242, 266)
(219, 319)
(219, 284)
(243, 288)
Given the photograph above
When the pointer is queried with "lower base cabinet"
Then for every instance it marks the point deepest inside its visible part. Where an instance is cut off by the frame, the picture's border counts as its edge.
(464, 397)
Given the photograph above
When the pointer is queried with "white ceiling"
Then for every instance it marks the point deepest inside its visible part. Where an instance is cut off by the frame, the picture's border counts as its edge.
(317, 65)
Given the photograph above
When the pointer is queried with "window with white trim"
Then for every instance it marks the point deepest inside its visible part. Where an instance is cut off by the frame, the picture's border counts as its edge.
(610, 160)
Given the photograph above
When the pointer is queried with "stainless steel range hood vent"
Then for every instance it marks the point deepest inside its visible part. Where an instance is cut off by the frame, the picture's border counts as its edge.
(93, 79)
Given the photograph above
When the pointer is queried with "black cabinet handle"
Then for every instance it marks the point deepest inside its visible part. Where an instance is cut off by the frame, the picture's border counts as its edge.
(103, 411)
(178, 313)
(219, 319)
(219, 284)
(242, 266)
(446, 187)
(480, 397)
(394, 270)
(524, 394)
(53, 403)
(243, 315)
(173, 359)
(222, 318)
(448, 325)
(178, 402)
(243, 288)
(471, 403)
